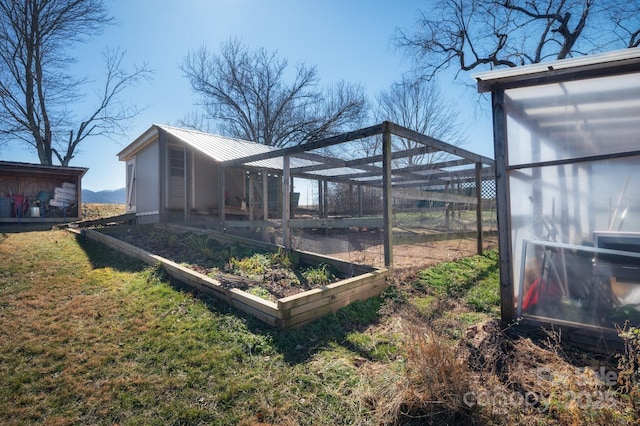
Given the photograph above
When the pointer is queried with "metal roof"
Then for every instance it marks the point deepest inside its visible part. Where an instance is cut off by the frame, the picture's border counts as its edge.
(613, 62)
(218, 148)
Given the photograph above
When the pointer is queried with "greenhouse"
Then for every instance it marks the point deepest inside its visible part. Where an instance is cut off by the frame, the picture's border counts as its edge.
(567, 147)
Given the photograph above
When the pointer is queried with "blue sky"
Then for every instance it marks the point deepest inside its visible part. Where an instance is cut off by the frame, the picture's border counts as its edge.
(345, 39)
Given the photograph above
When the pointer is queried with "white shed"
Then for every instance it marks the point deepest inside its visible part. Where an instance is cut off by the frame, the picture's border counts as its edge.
(175, 173)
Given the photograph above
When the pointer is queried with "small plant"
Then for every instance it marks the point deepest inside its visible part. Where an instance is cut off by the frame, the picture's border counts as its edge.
(286, 258)
(322, 275)
(261, 293)
(253, 265)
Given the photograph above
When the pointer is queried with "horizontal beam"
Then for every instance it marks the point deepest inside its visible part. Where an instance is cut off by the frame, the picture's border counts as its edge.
(413, 194)
(292, 150)
(352, 222)
(403, 132)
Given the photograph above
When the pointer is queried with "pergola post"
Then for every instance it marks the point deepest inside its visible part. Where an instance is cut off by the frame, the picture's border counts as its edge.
(286, 201)
(479, 206)
(265, 202)
(252, 196)
(387, 196)
(221, 197)
(325, 197)
(320, 200)
(507, 308)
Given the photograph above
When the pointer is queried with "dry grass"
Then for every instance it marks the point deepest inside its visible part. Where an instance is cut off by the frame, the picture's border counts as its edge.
(91, 211)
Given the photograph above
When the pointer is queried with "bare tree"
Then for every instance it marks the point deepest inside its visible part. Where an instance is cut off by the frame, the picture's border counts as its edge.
(36, 90)
(247, 95)
(476, 34)
(418, 104)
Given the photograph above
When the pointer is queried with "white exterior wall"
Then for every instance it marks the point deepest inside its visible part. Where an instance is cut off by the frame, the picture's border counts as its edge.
(205, 182)
(148, 180)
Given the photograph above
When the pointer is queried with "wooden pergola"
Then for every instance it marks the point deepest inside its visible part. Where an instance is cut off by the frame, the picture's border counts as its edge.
(387, 168)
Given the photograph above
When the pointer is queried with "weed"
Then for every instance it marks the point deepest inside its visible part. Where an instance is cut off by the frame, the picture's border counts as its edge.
(286, 258)
(255, 265)
(261, 292)
(319, 276)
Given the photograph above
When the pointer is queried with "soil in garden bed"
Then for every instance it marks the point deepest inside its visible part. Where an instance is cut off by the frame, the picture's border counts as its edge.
(266, 274)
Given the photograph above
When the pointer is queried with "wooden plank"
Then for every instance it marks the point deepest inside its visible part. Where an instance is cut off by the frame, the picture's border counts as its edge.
(286, 200)
(351, 222)
(339, 293)
(105, 220)
(262, 309)
(288, 303)
(342, 266)
(256, 302)
(312, 315)
(258, 313)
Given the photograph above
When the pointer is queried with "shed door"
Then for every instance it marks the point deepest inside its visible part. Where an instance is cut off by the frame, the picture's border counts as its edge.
(176, 196)
(131, 185)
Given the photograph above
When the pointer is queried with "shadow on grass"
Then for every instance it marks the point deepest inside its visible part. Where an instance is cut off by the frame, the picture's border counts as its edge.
(15, 228)
(300, 344)
(101, 256)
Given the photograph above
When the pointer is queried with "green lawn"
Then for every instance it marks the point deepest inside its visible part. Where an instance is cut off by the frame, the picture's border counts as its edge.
(88, 336)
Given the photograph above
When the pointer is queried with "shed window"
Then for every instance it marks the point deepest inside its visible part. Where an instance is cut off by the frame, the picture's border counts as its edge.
(176, 162)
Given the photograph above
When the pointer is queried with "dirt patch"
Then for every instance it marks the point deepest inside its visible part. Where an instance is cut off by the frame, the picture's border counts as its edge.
(281, 274)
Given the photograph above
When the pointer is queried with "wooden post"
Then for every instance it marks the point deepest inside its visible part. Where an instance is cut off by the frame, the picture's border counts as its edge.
(325, 197)
(320, 200)
(479, 206)
(447, 205)
(265, 202)
(221, 197)
(291, 191)
(286, 201)
(507, 308)
(251, 201)
(386, 196)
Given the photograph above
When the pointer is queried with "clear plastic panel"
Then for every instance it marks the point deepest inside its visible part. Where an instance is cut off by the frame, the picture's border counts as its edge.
(572, 204)
(573, 119)
(580, 284)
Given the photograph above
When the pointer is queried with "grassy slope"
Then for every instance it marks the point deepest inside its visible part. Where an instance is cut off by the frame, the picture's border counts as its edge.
(88, 336)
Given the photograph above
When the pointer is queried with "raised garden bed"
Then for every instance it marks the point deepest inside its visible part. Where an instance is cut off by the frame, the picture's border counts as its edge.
(267, 287)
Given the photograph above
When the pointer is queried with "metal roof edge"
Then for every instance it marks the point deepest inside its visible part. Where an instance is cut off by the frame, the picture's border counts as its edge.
(80, 171)
(489, 80)
(139, 143)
